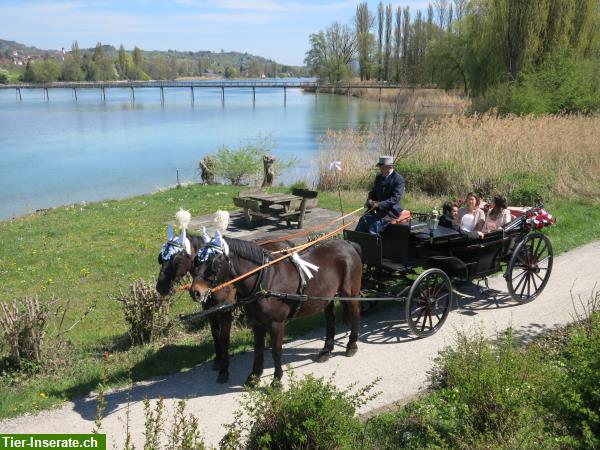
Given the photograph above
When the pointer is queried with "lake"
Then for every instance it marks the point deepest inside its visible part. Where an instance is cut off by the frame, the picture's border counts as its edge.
(62, 151)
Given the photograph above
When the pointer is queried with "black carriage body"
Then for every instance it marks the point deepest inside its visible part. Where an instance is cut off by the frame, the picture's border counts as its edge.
(445, 254)
(404, 247)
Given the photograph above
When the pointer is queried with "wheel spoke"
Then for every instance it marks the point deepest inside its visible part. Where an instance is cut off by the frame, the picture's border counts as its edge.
(414, 311)
(424, 323)
(534, 283)
(538, 275)
(543, 260)
(537, 247)
(430, 323)
(524, 272)
(524, 285)
(528, 286)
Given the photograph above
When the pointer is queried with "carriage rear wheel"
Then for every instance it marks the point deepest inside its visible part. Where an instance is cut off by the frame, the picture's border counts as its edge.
(529, 267)
(428, 303)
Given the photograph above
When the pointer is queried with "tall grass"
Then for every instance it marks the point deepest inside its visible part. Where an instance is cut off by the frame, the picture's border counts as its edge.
(523, 156)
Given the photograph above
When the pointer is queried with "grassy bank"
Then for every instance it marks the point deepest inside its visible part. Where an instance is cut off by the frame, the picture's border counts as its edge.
(83, 254)
(413, 100)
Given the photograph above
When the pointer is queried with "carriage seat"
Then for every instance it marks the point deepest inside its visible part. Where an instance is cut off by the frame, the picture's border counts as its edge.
(403, 217)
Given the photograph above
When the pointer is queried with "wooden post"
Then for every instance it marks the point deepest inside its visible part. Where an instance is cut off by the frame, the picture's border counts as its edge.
(192, 95)
(162, 96)
(253, 96)
(75, 93)
(178, 178)
(46, 96)
(223, 96)
(284, 96)
(18, 93)
(132, 95)
(380, 94)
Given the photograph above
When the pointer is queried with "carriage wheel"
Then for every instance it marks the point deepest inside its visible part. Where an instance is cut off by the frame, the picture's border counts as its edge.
(529, 268)
(428, 302)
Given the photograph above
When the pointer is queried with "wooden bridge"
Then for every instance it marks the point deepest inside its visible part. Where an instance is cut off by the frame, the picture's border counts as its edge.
(312, 86)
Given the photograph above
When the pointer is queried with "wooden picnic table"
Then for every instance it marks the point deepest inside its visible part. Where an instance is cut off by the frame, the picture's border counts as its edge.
(289, 207)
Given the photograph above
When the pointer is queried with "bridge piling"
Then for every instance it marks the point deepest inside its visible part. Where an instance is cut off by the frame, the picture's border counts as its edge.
(284, 96)
(192, 95)
(223, 96)
(75, 93)
(46, 96)
(18, 93)
(162, 96)
(253, 96)
(103, 94)
(132, 96)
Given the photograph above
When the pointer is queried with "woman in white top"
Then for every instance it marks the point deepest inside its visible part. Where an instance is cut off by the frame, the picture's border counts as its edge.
(471, 217)
(498, 215)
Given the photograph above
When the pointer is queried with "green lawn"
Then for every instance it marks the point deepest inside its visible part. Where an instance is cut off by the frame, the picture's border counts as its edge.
(83, 255)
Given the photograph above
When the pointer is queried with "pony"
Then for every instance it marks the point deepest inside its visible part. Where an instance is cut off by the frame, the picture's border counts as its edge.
(337, 268)
(176, 259)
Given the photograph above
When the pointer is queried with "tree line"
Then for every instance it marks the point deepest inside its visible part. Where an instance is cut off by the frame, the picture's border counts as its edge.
(466, 44)
(104, 63)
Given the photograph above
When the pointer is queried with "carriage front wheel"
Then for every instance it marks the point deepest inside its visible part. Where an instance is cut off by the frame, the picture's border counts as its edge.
(529, 267)
(428, 303)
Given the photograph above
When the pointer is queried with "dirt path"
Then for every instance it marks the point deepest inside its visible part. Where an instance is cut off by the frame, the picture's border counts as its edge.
(386, 350)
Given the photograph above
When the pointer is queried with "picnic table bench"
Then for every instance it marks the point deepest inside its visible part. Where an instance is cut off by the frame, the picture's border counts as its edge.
(259, 206)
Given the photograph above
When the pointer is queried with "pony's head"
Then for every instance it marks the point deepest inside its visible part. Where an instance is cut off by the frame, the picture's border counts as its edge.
(212, 268)
(176, 257)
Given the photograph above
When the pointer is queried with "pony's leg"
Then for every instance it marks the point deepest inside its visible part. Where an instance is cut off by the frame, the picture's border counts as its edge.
(353, 310)
(259, 349)
(214, 330)
(277, 329)
(330, 333)
(224, 333)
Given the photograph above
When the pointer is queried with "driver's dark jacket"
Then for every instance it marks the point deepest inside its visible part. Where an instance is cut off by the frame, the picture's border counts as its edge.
(388, 192)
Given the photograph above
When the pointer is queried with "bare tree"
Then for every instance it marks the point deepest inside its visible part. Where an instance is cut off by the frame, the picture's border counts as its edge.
(331, 51)
(388, 41)
(397, 132)
(405, 42)
(441, 12)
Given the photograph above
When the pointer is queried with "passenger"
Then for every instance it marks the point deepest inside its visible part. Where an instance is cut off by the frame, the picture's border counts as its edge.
(498, 215)
(471, 217)
(449, 219)
(383, 199)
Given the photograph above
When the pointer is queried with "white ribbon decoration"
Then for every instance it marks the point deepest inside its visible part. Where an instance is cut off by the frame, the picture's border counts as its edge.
(335, 165)
(305, 266)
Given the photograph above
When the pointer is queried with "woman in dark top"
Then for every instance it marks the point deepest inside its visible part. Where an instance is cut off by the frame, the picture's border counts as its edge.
(449, 219)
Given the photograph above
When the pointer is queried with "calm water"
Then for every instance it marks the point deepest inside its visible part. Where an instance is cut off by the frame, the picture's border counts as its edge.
(62, 151)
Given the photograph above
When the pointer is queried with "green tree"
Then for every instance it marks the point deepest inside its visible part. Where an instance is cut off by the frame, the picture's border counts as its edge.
(363, 22)
(122, 62)
(3, 76)
(138, 60)
(71, 70)
(331, 52)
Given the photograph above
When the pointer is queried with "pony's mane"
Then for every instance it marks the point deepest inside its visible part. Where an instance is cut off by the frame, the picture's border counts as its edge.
(247, 250)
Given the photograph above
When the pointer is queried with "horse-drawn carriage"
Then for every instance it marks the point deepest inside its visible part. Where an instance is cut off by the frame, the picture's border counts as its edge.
(415, 261)
(446, 255)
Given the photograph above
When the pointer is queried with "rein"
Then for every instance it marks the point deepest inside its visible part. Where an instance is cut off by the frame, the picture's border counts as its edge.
(308, 230)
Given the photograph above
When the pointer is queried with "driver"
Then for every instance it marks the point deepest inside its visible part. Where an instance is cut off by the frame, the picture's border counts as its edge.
(383, 199)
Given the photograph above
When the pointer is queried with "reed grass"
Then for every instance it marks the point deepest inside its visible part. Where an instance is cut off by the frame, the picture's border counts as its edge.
(561, 154)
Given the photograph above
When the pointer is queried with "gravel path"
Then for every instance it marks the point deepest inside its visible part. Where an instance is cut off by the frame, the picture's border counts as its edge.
(386, 350)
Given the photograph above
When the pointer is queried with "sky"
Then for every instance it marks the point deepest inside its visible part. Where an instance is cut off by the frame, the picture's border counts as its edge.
(275, 29)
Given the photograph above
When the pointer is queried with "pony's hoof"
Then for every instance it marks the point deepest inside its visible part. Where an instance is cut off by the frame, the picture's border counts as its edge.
(276, 383)
(216, 365)
(351, 352)
(323, 356)
(251, 381)
(223, 377)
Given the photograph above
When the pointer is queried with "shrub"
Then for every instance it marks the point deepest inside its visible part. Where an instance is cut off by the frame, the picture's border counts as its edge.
(312, 413)
(442, 179)
(146, 312)
(580, 393)
(245, 165)
(487, 395)
(23, 328)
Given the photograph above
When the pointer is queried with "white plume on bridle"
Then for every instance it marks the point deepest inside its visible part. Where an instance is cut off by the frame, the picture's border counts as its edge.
(221, 220)
(182, 219)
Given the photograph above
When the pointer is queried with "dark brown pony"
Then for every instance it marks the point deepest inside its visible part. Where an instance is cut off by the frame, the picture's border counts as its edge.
(340, 272)
(174, 269)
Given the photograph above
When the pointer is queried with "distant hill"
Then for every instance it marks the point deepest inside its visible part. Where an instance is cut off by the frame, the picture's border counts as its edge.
(162, 64)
